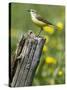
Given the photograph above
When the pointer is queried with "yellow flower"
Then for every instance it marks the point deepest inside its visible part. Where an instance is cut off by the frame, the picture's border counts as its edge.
(60, 73)
(50, 60)
(60, 26)
(45, 48)
(49, 29)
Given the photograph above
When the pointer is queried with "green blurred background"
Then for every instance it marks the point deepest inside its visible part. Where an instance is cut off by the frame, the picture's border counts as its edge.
(51, 69)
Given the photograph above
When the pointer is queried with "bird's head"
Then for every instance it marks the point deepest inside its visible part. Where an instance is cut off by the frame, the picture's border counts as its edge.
(32, 11)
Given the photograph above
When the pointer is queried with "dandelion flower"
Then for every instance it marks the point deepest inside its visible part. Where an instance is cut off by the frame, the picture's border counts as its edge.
(60, 26)
(60, 72)
(50, 60)
(49, 29)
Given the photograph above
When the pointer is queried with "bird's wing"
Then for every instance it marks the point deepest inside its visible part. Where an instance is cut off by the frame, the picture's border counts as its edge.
(43, 20)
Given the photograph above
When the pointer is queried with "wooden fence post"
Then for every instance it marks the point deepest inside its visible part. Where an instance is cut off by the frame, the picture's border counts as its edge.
(26, 60)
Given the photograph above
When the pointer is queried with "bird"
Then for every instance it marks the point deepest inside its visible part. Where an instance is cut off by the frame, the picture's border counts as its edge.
(39, 20)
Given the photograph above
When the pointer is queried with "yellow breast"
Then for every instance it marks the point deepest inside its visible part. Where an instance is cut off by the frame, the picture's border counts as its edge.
(39, 23)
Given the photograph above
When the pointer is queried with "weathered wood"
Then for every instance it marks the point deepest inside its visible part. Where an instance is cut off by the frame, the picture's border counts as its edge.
(27, 60)
(34, 63)
(14, 60)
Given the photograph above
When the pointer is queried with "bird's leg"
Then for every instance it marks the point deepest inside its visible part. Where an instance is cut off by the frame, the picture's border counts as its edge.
(40, 31)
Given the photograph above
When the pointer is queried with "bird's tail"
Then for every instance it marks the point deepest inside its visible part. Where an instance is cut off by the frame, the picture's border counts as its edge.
(55, 27)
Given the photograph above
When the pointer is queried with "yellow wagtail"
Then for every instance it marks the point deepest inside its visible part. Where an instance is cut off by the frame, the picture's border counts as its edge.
(38, 20)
